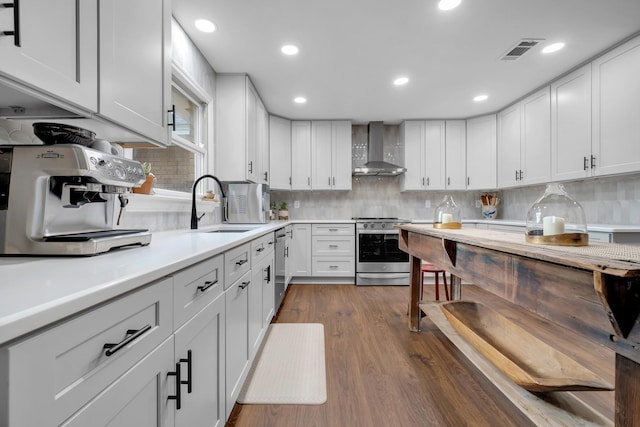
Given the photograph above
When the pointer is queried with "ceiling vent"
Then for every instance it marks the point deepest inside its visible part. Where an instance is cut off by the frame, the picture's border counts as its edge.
(522, 47)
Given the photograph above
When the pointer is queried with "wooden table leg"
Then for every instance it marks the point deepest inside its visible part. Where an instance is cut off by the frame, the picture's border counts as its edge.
(415, 285)
(627, 392)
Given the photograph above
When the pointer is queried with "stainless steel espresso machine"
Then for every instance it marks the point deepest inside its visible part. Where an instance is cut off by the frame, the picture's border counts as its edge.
(62, 199)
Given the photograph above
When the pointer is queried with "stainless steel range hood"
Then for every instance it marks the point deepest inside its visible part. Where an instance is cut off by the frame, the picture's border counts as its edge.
(376, 164)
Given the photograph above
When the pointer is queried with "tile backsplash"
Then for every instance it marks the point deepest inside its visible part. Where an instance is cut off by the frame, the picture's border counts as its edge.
(611, 200)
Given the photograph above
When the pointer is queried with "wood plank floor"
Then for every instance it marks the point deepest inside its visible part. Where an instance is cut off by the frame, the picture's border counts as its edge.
(379, 373)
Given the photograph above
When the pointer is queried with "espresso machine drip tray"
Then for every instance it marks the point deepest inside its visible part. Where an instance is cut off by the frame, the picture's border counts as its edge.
(83, 237)
(90, 243)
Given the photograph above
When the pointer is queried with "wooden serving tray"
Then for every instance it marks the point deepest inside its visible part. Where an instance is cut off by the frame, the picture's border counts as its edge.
(526, 360)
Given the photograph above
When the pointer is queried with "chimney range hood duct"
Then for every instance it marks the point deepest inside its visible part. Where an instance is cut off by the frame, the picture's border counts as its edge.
(376, 165)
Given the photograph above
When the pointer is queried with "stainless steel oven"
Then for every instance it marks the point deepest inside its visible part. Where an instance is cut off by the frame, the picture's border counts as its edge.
(379, 259)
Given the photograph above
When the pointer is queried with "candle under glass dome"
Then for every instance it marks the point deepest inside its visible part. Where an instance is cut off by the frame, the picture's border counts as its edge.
(556, 219)
(447, 214)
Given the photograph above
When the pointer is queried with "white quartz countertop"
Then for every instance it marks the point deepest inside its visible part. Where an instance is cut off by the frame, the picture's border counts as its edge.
(38, 291)
(605, 228)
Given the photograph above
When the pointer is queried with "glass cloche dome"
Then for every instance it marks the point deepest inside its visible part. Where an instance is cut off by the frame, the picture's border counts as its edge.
(556, 219)
(447, 214)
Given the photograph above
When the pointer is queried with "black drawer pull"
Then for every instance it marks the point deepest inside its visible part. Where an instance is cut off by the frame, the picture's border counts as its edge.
(16, 21)
(132, 334)
(189, 362)
(207, 285)
(242, 261)
(260, 249)
(177, 397)
(245, 284)
(267, 271)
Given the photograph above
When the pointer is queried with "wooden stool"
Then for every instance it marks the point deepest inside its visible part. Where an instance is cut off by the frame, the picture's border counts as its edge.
(430, 268)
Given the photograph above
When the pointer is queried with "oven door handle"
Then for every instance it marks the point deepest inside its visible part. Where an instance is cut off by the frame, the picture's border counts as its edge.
(382, 275)
(378, 232)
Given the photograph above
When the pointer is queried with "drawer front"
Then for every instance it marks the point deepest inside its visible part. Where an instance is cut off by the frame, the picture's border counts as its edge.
(333, 246)
(237, 261)
(599, 236)
(333, 229)
(195, 287)
(261, 247)
(59, 370)
(340, 267)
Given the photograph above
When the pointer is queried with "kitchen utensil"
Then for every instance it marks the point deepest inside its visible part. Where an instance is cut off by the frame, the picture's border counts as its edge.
(58, 133)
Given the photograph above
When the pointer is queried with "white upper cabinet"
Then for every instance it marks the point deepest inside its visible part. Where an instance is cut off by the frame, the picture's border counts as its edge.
(135, 65)
(301, 155)
(280, 153)
(524, 141)
(456, 154)
(54, 49)
(481, 153)
(331, 155)
(571, 125)
(616, 110)
(424, 144)
(264, 175)
(240, 130)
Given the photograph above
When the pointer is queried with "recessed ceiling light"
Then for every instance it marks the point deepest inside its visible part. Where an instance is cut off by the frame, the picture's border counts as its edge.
(205, 25)
(289, 49)
(449, 4)
(401, 81)
(480, 98)
(553, 47)
(300, 100)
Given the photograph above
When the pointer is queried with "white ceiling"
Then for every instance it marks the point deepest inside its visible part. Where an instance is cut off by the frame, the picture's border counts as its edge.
(351, 50)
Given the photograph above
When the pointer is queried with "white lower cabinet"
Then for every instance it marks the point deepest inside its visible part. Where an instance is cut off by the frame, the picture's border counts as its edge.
(300, 250)
(333, 250)
(237, 334)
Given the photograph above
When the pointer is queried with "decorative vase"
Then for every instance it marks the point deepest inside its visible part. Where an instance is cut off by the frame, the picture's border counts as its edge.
(447, 214)
(146, 187)
(556, 219)
(489, 211)
(283, 214)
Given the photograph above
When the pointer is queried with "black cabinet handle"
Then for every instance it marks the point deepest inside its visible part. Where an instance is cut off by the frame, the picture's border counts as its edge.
(251, 166)
(593, 161)
(189, 362)
(286, 252)
(242, 261)
(260, 249)
(177, 397)
(585, 163)
(132, 334)
(16, 21)
(173, 117)
(245, 284)
(268, 273)
(207, 285)
(516, 174)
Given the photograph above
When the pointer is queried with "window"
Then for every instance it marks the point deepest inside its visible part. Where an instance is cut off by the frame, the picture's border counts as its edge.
(178, 165)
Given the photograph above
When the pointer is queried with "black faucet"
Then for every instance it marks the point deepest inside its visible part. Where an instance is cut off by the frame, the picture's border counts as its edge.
(194, 216)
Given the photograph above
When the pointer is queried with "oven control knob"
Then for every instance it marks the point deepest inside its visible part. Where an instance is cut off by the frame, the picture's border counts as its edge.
(366, 225)
(383, 225)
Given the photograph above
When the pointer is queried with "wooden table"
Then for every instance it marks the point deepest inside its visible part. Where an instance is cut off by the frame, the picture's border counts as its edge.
(593, 290)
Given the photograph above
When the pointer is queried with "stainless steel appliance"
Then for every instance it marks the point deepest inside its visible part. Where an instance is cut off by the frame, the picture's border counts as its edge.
(247, 203)
(283, 271)
(62, 199)
(379, 260)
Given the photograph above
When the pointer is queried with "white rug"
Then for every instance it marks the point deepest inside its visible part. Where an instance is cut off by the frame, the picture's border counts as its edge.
(290, 368)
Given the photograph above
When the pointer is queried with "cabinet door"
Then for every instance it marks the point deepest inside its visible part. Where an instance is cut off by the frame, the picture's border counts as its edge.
(535, 146)
(139, 398)
(255, 295)
(341, 155)
(412, 133)
(263, 143)
(280, 153)
(509, 135)
(200, 348)
(301, 155)
(237, 339)
(135, 65)
(300, 250)
(481, 153)
(456, 154)
(571, 125)
(251, 121)
(55, 50)
(268, 290)
(616, 110)
(321, 155)
(434, 155)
